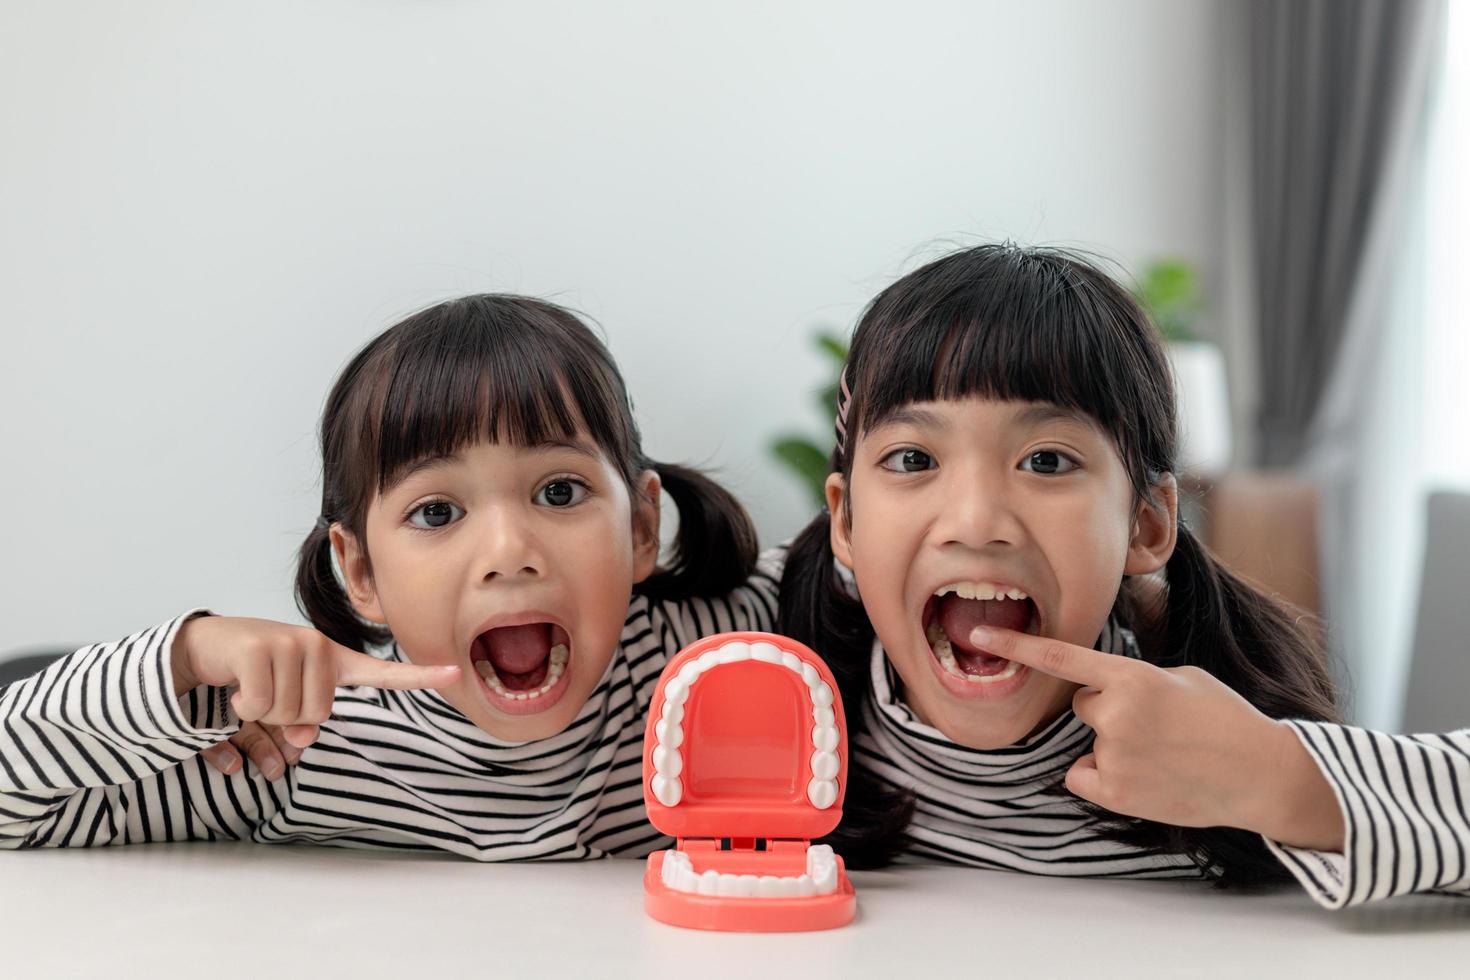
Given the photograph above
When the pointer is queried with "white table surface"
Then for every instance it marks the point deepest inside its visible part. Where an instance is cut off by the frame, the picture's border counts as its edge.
(246, 910)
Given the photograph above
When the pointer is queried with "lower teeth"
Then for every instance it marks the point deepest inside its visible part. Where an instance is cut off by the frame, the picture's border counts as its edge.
(558, 666)
(944, 653)
(820, 878)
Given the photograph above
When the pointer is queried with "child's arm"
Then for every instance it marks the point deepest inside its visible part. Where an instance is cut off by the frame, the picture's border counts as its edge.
(99, 748)
(1405, 803)
(96, 749)
(1355, 815)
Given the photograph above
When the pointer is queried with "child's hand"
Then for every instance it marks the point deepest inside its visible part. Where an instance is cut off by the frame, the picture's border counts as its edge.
(265, 745)
(1177, 746)
(285, 675)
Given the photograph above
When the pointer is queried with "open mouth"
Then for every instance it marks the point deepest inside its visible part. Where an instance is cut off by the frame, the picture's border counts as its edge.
(953, 611)
(523, 667)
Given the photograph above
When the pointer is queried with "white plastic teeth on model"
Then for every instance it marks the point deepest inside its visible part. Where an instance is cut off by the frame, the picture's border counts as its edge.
(981, 590)
(820, 878)
(668, 761)
(944, 653)
(558, 659)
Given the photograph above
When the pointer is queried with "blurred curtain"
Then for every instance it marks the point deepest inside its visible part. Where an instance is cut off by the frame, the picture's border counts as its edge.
(1337, 89)
(1332, 97)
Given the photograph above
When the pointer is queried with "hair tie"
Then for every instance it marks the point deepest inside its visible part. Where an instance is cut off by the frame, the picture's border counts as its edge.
(322, 523)
(844, 399)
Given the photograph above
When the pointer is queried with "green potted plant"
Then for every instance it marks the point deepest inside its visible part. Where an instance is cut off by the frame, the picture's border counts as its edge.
(1169, 292)
(808, 459)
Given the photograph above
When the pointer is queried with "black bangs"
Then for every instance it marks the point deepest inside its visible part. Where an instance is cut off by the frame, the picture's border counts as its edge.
(1024, 324)
(497, 369)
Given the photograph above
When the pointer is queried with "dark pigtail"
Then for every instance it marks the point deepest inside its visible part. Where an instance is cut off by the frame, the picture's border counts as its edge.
(817, 610)
(321, 600)
(1256, 645)
(716, 547)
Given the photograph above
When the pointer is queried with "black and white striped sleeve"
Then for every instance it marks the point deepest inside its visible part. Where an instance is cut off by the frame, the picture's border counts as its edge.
(97, 749)
(1405, 802)
(751, 606)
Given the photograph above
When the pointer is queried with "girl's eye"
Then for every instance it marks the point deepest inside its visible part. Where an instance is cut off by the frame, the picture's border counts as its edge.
(1049, 463)
(561, 493)
(436, 513)
(907, 461)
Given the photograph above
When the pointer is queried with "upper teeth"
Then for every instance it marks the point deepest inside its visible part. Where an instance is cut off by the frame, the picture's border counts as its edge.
(981, 590)
(668, 761)
(558, 666)
(820, 877)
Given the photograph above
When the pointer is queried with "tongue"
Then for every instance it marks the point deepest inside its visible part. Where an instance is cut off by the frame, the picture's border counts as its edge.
(518, 649)
(959, 616)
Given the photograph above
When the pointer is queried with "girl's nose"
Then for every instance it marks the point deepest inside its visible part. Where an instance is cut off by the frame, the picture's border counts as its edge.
(507, 545)
(978, 512)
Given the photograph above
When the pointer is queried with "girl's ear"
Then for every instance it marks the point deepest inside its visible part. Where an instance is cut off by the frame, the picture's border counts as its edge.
(841, 533)
(1155, 528)
(645, 525)
(357, 575)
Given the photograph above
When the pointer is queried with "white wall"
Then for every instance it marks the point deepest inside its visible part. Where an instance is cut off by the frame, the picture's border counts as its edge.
(205, 208)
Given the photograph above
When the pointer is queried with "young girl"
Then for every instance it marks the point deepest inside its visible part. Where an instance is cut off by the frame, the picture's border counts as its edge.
(1006, 439)
(487, 501)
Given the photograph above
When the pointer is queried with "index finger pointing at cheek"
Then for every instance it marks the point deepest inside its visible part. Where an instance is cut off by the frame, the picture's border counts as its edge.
(359, 668)
(1079, 665)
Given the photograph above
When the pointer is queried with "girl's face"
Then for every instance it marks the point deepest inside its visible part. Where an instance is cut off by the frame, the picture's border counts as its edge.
(515, 563)
(1018, 514)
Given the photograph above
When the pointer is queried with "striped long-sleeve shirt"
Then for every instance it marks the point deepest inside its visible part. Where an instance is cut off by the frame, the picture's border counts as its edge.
(98, 749)
(1405, 801)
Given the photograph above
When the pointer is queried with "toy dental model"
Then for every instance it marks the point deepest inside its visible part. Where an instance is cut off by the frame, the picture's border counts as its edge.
(744, 762)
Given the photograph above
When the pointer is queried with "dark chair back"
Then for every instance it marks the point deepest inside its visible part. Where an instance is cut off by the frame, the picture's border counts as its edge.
(21, 666)
(1434, 698)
